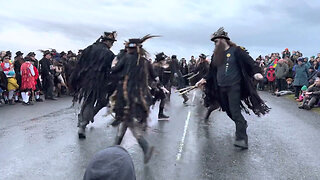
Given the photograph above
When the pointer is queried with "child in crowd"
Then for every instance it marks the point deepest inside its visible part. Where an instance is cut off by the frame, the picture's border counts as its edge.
(12, 86)
(303, 93)
(271, 76)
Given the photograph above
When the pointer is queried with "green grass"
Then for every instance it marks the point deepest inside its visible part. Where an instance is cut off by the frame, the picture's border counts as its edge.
(291, 97)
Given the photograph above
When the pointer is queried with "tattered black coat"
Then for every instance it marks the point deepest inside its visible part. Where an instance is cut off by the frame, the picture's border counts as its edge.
(248, 92)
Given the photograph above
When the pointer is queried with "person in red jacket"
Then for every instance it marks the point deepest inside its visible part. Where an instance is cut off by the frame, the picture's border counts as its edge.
(271, 76)
(35, 64)
(28, 83)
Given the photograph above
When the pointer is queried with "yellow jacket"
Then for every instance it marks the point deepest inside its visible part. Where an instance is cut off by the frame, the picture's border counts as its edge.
(12, 84)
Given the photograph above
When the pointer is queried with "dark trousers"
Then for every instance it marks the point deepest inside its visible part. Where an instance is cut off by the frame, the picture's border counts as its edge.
(230, 102)
(281, 84)
(311, 101)
(48, 86)
(297, 91)
(89, 109)
(271, 86)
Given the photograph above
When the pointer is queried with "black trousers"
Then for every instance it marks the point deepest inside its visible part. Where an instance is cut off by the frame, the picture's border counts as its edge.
(230, 102)
(48, 86)
(297, 91)
(281, 84)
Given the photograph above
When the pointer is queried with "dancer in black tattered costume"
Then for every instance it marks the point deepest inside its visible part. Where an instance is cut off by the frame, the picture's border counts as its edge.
(133, 93)
(89, 79)
(229, 83)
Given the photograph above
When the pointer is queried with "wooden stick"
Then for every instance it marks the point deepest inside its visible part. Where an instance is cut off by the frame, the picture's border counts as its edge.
(183, 89)
(188, 90)
(189, 74)
(193, 76)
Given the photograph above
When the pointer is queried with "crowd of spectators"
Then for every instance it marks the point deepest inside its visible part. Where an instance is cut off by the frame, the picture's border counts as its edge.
(292, 73)
(23, 79)
(285, 73)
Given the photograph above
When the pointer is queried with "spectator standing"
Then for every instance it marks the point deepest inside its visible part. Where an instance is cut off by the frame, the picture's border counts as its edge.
(301, 76)
(281, 73)
(271, 79)
(28, 83)
(294, 57)
(286, 53)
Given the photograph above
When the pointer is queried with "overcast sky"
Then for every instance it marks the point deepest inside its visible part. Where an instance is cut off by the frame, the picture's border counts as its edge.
(262, 26)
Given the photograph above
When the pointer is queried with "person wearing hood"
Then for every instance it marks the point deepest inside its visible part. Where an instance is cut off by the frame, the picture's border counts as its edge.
(301, 76)
(112, 163)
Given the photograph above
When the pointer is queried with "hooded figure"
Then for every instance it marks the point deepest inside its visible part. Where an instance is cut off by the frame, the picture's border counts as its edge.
(89, 79)
(112, 163)
(230, 83)
(133, 94)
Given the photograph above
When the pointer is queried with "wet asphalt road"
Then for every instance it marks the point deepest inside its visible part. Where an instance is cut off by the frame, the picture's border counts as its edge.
(41, 142)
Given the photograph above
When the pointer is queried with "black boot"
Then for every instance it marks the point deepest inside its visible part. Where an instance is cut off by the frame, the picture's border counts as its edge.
(116, 122)
(241, 139)
(161, 115)
(147, 151)
(241, 143)
(185, 98)
(206, 118)
(82, 132)
(81, 129)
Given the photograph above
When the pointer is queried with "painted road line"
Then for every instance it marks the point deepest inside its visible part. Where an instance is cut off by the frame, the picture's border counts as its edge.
(185, 131)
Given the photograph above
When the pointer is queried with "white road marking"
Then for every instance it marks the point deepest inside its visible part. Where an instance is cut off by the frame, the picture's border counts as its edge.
(185, 131)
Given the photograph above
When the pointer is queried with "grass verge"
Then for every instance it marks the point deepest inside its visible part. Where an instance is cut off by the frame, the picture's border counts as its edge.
(291, 97)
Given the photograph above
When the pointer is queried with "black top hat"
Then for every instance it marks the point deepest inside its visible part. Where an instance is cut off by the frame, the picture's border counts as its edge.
(203, 56)
(160, 56)
(28, 58)
(220, 33)
(63, 53)
(109, 36)
(46, 52)
(8, 53)
(31, 54)
(19, 53)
